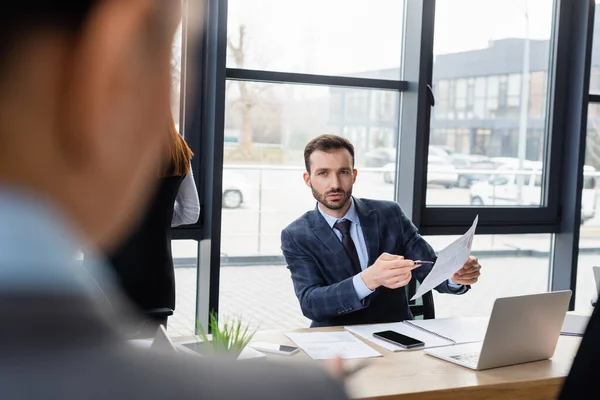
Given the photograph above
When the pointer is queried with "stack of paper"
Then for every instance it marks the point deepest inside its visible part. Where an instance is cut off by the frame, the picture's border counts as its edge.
(326, 345)
(574, 325)
(449, 260)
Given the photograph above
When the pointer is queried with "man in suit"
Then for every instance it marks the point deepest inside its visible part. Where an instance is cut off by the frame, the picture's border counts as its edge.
(350, 259)
(83, 120)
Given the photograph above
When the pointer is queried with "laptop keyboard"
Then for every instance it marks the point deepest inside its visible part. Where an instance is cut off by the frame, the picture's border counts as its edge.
(468, 358)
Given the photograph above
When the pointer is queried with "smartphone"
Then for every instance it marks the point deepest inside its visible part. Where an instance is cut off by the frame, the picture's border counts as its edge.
(273, 348)
(397, 338)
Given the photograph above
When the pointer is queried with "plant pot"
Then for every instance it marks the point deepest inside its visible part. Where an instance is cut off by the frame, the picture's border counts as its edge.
(205, 349)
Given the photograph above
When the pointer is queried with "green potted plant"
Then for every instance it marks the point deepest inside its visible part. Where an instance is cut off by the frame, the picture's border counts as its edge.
(226, 340)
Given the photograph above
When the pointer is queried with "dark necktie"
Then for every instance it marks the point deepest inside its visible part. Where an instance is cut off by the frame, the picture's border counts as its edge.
(344, 227)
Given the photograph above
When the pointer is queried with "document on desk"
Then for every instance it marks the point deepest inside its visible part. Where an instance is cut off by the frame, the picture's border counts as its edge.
(326, 345)
(449, 260)
(432, 332)
(574, 325)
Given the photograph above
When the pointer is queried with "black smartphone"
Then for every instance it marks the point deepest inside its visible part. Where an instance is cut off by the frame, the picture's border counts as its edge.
(397, 338)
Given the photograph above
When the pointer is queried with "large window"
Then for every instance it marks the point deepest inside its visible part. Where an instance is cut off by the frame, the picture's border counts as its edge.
(183, 321)
(266, 127)
(512, 265)
(176, 73)
(595, 65)
(332, 71)
(185, 252)
(498, 142)
(496, 116)
(333, 37)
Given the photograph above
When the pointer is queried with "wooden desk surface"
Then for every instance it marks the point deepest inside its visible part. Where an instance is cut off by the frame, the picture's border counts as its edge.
(416, 375)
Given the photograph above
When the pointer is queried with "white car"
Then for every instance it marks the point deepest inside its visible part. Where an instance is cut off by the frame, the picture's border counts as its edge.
(503, 189)
(439, 172)
(236, 189)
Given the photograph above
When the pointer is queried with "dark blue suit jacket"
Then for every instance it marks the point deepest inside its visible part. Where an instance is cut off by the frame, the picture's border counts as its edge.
(322, 271)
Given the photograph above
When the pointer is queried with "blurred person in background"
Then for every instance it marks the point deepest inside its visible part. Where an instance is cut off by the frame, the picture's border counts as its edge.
(85, 89)
(143, 264)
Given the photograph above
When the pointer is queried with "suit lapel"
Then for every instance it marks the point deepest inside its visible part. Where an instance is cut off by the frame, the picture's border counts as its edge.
(328, 237)
(369, 223)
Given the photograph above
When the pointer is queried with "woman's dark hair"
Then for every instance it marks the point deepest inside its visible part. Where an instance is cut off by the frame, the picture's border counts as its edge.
(179, 154)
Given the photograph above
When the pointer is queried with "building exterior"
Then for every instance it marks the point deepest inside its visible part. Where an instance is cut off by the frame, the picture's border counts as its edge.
(478, 103)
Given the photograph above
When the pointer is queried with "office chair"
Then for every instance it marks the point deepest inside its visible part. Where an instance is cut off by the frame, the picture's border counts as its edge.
(151, 320)
(423, 307)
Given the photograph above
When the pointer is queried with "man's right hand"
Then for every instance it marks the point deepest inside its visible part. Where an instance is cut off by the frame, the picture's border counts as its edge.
(390, 271)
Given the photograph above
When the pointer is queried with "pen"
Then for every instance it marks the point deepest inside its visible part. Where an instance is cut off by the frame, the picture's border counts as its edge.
(423, 262)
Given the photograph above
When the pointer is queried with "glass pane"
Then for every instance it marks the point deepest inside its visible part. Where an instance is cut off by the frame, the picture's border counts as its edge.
(503, 126)
(595, 68)
(267, 127)
(185, 254)
(589, 239)
(501, 257)
(176, 76)
(334, 37)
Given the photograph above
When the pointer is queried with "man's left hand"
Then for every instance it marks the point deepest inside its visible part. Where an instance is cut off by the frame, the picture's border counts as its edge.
(469, 273)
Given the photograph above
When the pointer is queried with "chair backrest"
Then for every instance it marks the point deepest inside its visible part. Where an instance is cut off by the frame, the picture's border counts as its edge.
(423, 307)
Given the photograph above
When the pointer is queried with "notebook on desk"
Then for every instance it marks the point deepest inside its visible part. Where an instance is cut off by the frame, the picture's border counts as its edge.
(574, 325)
(432, 332)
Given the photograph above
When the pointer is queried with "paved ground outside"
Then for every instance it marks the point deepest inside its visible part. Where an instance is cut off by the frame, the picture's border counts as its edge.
(264, 296)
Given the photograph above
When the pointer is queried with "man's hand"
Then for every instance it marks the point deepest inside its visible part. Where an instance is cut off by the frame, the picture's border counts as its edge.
(469, 273)
(390, 271)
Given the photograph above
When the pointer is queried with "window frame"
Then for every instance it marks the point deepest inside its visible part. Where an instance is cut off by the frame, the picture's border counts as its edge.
(568, 76)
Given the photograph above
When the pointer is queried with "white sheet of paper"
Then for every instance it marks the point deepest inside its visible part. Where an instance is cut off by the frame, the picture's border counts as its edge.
(449, 260)
(326, 345)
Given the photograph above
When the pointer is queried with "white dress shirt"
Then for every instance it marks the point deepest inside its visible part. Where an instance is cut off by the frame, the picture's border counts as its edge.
(187, 205)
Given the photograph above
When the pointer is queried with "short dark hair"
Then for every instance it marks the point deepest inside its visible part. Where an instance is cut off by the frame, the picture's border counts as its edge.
(327, 143)
(22, 17)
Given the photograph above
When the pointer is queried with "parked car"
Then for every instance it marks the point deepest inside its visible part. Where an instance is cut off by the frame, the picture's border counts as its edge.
(506, 161)
(380, 157)
(503, 189)
(439, 172)
(390, 173)
(440, 151)
(236, 189)
(471, 162)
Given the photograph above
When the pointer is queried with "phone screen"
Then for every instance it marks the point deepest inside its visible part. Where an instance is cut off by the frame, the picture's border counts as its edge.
(287, 349)
(398, 338)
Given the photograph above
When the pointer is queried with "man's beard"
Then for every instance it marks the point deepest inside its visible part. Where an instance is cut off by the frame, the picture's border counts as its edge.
(332, 205)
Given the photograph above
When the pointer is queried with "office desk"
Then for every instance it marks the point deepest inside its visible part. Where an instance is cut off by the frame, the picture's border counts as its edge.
(415, 375)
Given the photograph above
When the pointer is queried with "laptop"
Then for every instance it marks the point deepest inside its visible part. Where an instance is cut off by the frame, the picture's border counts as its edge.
(521, 329)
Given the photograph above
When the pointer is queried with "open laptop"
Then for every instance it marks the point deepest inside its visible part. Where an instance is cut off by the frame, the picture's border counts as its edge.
(521, 329)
